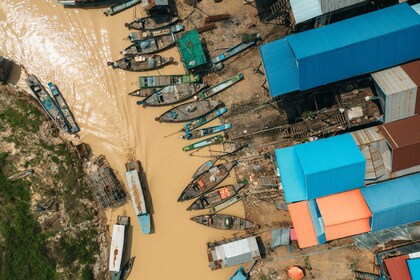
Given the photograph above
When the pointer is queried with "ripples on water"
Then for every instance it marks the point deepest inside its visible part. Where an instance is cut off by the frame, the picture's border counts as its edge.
(54, 46)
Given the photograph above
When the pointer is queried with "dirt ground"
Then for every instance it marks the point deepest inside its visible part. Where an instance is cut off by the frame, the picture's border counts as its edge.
(250, 110)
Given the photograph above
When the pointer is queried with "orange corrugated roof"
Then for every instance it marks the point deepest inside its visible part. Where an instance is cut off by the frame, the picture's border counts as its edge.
(302, 222)
(347, 229)
(397, 268)
(343, 207)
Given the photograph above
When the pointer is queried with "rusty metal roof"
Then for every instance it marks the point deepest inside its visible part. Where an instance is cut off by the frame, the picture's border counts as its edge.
(402, 133)
(397, 268)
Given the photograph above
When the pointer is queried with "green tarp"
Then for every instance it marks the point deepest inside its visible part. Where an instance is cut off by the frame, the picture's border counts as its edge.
(192, 53)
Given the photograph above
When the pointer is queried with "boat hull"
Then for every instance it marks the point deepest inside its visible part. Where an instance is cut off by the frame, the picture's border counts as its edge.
(224, 222)
(140, 63)
(166, 80)
(207, 181)
(204, 143)
(150, 46)
(147, 34)
(188, 111)
(198, 133)
(145, 224)
(81, 4)
(120, 7)
(232, 52)
(205, 119)
(171, 95)
(152, 23)
(220, 87)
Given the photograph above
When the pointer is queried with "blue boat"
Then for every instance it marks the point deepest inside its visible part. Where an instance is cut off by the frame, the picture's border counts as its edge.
(206, 131)
(137, 197)
(64, 108)
(232, 51)
(121, 7)
(87, 3)
(205, 119)
(42, 95)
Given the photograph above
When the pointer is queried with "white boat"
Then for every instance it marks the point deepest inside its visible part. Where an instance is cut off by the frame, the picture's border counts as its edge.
(116, 254)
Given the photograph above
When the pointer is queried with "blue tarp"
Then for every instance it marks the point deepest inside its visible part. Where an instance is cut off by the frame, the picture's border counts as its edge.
(320, 168)
(282, 77)
(414, 268)
(345, 49)
(394, 202)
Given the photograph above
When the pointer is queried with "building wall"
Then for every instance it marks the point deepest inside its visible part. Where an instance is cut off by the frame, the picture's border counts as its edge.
(347, 229)
(396, 216)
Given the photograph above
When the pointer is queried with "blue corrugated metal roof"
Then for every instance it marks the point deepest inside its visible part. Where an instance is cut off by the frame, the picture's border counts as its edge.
(280, 67)
(317, 221)
(414, 268)
(345, 49)
(416, 8)
(394, 202)
(291, 175)
(320, 168)
(304, 10)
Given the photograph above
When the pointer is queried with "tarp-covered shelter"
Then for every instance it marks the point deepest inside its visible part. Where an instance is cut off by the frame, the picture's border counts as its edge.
(320, 168)
(394, 202)
(339, 51)
(344, 214)
(191, 49)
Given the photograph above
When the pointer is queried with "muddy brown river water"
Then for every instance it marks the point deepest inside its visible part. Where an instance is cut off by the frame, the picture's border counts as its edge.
(71, 47)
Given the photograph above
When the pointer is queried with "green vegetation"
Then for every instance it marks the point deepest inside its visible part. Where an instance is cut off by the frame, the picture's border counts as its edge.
(24, 116)
(23, 249)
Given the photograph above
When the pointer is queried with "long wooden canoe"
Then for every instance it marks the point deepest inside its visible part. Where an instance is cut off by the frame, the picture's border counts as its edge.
(151, 23)
(204, 119)
(166, 80)
(220, 87)
(188, 111)
(204, 143)
(198, 133)
(139, 63)
(216, 196)
(172, 94)
(152, 45)
(141, 35)
(207, 181)
(221, 221)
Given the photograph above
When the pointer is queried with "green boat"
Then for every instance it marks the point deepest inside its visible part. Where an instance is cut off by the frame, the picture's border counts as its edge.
(220, 87)
(203, 143)
(204, 119)
(166, 80)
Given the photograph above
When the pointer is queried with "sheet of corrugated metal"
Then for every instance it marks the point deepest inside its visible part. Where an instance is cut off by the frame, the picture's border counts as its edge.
(375, 167)
(331, 165)
(398, 92)
(291, 175)
(413, 70)
(349, 48)
(416, 8)
(317, 221)
(367, 135)
(414, 267)
(136, 192)
(280, 67)
(302, 223)
(394, 202)
(344, 214)
(304, 10)
(397, 268)
(404, 138)
(332, 5)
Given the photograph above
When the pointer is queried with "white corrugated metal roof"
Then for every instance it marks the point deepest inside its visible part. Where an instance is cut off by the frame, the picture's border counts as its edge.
(136, 192)
(304, 10)
(333, 5)
(117, 247)
(393, 80)
(416, 8)
(237, 248)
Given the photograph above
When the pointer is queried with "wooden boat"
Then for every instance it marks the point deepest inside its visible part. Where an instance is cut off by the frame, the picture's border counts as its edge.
(152, 45)
(136, 194)
(166, 80)
(220, 87)
(198, 133)
(205, 119)
(150, 23)
(144, 92)
(87, 3)
(64, 108)
(171, 95)
(227, 203)
(188, 111)
(207, 181)
(116, 255)
(141, 62)
(204, 143)
(226, 222)
(216, 196)
(141, 35)
(46, 102)
(210, 163)
(232, 51)
(121, 7)
(127, 269)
